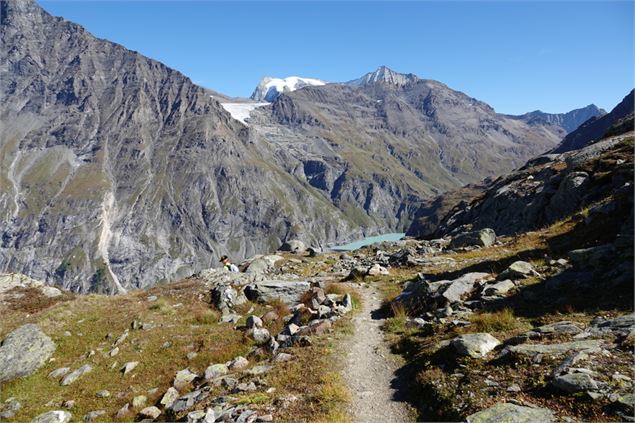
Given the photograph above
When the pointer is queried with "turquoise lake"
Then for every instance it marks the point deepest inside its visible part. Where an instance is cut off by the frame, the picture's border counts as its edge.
(368, 241)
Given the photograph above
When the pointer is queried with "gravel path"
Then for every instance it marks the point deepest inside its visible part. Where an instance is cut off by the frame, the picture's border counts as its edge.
(369, 367)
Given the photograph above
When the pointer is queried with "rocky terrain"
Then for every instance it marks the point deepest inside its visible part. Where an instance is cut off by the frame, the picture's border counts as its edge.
(117, 172)
(533, 326)
(547, 188)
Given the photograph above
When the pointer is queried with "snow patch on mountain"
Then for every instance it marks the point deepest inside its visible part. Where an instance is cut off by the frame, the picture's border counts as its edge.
(270, 88)
(242, 111)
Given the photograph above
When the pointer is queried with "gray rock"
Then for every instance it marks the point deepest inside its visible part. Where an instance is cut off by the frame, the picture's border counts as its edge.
(512, 413)
(230, 318)
(76, 374)
(56, 416)
(282, 357)
(562, 348)
(139, 401)
(455, 291)
(559, 328)
(103, 394)
(215, 370)
(483, 238)
(475, 345)
(253, 322)
(225, 297)
(238, 363)
(499, 288)
(287, 291)
(9, 408)
(626, 403)
(518, 269)
(293, 246)
(187, 401)
(129, 366)
(169, 397)
(93, 415)
(575, 382)
(591, 257)
(123, 412)
(121, 338)
(620, 326)
(150, 412)
(183, 378)
(59, 372)
(23, 351)
(260, 335)
(263, 264)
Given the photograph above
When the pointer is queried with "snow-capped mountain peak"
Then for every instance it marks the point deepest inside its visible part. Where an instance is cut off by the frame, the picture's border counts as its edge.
(270, 88)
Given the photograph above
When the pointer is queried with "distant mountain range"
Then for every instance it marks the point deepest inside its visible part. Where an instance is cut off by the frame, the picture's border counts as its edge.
(568, 121)
(119, 172)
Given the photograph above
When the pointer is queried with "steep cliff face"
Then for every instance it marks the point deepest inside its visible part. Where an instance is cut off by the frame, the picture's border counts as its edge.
(118, 172)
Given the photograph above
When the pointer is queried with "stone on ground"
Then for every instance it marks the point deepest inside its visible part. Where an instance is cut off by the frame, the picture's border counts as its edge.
(294, 246)
(56, 416)
(150, 412)
(215, 370)
(184, 378)
(24, 351)
(575, 382)
(483, 238)
(76, 374)
(475, 345)
(512, 413)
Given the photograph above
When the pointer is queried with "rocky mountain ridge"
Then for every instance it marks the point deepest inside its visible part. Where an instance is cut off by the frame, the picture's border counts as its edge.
(569, 121)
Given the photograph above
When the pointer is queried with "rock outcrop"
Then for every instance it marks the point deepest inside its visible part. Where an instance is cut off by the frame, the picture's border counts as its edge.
(23, 351)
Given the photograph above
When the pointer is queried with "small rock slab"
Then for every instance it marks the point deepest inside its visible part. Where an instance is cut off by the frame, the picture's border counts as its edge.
(575, 382)
(57, 416)
(23, 351)
(512, 413)
(76, 374)
(183, 378)
(150, 412)
(475, 345)
(215, 370)
(533, 349)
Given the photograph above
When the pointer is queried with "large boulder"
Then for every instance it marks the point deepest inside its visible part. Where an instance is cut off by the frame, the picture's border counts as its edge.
(456, 290)
(475, 345)
(512, 413)
(293, 246)
(575, 382)
(23, 351)
(263, 264)
(483, 238)
(225, 297)
(286, 291)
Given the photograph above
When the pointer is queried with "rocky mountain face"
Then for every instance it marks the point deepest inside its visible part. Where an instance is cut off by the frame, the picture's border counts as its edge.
(546, 189)
(569, 121)
(118, 172)
(408, 128)
(597, 127)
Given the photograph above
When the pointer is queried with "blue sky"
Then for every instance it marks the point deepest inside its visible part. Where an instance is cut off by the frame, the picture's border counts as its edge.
(516, 56)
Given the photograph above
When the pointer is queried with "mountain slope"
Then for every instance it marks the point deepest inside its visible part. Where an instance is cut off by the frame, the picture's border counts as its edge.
(118, 172)
(569, 121)
(385, 120)
(595, 128)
